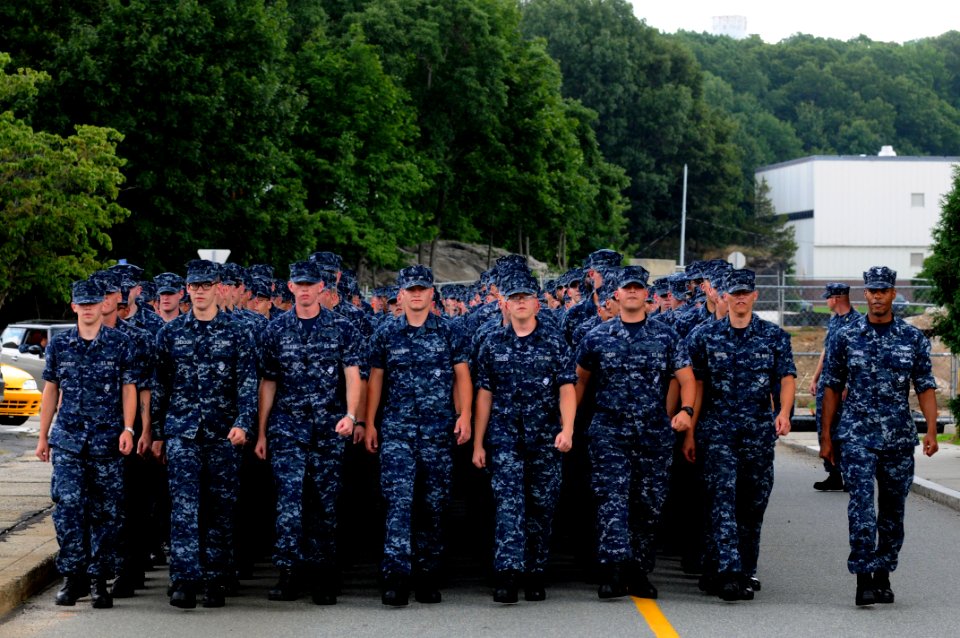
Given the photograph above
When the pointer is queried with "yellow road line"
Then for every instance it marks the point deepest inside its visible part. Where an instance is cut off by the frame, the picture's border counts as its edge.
(658, 623)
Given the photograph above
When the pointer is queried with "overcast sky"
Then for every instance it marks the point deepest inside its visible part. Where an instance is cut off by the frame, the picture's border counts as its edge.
(840, 19)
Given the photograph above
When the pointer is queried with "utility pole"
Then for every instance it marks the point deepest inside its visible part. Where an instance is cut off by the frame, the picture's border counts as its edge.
(683, 221)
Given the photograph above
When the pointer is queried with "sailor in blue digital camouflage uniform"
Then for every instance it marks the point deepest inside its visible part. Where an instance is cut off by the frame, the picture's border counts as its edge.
(596, 264)
(838, 300)
(306, 413)
(633, 362)
(875, 359)
(138, 496)
(206, 382)
(417, 363)
(91, 377)
(739, 362)
(523, 420)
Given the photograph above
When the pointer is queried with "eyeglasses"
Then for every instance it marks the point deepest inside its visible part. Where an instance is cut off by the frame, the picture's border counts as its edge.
(202, 285)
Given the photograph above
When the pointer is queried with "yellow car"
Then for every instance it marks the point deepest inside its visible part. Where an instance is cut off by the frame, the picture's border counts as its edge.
(21, 398)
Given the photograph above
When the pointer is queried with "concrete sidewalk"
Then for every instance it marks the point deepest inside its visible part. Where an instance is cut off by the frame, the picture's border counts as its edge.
(28, 544)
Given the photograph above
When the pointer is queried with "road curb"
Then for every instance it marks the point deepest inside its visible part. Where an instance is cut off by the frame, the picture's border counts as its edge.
(926, 488)
(32, 568)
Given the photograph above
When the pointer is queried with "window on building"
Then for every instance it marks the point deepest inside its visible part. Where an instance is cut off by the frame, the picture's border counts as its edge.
(916, 200)
(916, 260)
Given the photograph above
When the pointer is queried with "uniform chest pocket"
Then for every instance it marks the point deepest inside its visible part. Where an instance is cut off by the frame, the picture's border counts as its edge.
(651, 358)
(898, 364)
(721, 360)
(758, 361)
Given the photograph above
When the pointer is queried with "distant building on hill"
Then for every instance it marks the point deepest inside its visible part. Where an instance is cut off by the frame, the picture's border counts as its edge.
(733, 26)
(853, 212)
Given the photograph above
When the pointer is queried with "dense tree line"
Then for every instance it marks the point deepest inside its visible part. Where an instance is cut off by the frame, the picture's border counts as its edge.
(807, 95)
(274, 127)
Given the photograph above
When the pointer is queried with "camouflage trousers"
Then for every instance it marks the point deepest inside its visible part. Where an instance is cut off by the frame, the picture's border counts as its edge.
(88, 493)
(629, 482)
(416, 473)
(739, 478)
(308, 483)
(204, 478)
(526, 484)
(876, 535)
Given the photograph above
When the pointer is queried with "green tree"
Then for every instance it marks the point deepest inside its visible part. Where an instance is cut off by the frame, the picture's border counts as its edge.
(355, 150)
(203, 94)
(942, 268)
(57, 197)
(647, 91)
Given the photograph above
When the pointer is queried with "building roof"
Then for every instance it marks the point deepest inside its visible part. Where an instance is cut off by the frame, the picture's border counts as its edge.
(860, 158)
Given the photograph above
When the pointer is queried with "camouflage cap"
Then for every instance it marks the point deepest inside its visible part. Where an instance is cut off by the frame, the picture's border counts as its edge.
(835, 290)
(305, 272)
(202, 270)
(168, 283)
(880, 278)
(743, 280)
(128, 270)
(86, 292)
(109, 280)
(633, 275)
(518, 283)
(418, 275)
(603, 258)
(327, 260)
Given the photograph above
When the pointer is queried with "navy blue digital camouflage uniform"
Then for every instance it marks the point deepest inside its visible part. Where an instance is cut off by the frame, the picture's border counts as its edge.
(736, 433)
(306, 453)
(630, 437)
(877, 431)
(834, 326)
(87, 484)
(416, 453)
(524, 375)
(207, 381)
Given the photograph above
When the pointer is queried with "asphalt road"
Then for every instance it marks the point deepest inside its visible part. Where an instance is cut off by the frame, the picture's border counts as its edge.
(806, 592)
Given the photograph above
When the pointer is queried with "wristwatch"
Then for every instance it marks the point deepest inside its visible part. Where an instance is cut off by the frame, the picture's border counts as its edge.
(687, 409)
(352, 418)
(126, 429)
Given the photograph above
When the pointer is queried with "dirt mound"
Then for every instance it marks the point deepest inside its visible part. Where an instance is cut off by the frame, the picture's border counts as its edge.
(455, 261)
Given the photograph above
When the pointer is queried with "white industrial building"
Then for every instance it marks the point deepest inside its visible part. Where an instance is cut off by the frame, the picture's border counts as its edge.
(853, 212)
(731, 26)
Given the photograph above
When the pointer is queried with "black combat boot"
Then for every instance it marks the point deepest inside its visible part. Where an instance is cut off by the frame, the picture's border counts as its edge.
(396, 590)
(324, 589)
(881, 587)
(731, 587)
(287, 587)
(184, 595)
(214, 595)
(427, 589)
(74, 587)
(505, 587)
(100, 596)
(865, 593)
(612, 583)
(640, 585)
(533, 588)
(833, 483)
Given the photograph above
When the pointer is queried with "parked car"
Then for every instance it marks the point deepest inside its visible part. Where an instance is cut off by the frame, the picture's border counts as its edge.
(21, 398)
(23, 344)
